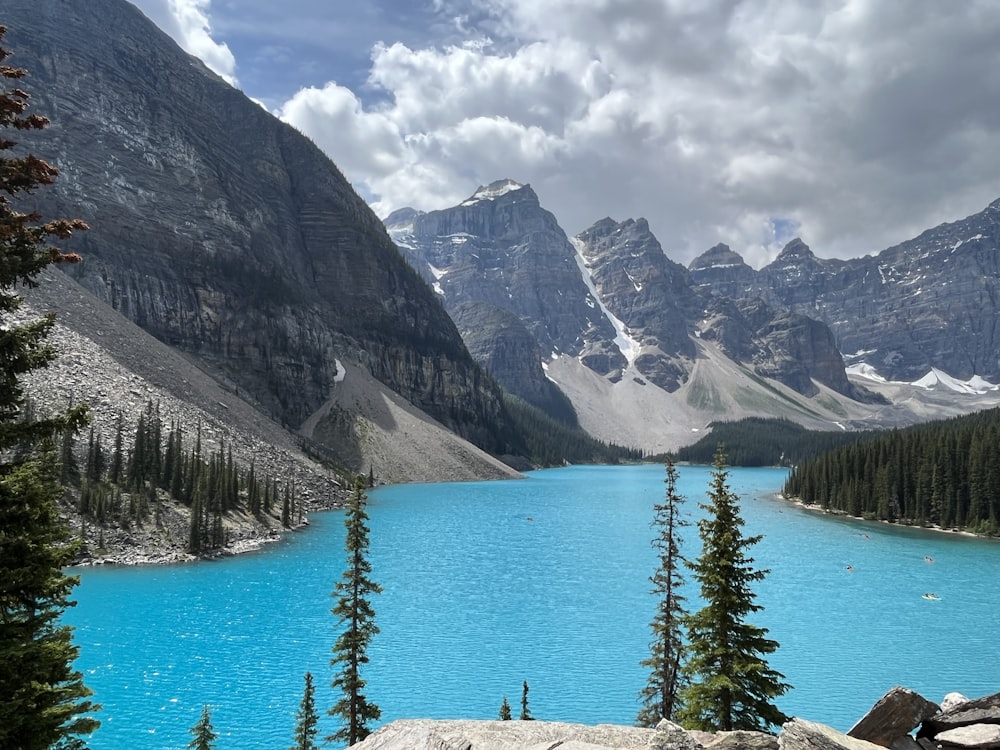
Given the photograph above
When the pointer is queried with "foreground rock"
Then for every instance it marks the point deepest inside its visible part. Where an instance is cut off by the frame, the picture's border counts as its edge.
(895, 714)
(971, 725)
(428, 734)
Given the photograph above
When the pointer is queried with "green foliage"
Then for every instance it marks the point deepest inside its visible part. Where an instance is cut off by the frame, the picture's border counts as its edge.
(354, 610)
(660, 696)
(306, 720)
(154, 465)
(204, 733)
(731, 686)
(505, 714)
(525, 713)
(940, 473)
(547, 442)
(42, 698)
(758, 441)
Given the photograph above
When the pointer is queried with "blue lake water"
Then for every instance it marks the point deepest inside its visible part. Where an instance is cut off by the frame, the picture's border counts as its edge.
(545, 580)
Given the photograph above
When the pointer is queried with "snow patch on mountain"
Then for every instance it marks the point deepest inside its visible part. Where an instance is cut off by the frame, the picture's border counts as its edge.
(492, 191)
(934, 379)
(628, 346)
(865, 370)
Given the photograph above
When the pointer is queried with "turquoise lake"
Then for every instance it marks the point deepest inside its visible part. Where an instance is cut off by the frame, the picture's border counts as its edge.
(543, 579)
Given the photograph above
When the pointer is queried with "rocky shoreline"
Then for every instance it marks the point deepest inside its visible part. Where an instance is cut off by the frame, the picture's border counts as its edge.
(900, 720)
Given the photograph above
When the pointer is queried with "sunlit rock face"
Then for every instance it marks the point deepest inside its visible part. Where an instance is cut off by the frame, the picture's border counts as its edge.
(221, 230)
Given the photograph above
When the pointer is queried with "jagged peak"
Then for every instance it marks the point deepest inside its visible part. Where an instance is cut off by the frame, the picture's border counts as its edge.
(796, 248)
(493, 190)
(600, 228)
(718, 255)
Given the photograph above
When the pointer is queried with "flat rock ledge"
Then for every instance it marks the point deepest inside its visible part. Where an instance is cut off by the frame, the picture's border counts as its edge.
(900, 720)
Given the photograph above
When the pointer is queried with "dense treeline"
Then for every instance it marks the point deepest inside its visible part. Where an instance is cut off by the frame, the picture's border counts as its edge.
(757, 441)
(128, 483)
(941, 473)
(547, 442)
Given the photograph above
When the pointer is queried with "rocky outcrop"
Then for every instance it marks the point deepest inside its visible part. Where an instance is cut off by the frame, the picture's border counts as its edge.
(893, 716)
(966, 724)
(500, 342)
(224, 232)
(650, 294)
(781, 345)
(957, 723)
(981, 713)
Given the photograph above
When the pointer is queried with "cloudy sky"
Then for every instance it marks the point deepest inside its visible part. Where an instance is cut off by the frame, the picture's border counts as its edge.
(854, 124)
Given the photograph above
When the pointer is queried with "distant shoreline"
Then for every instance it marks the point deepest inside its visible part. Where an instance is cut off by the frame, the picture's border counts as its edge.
(814, 508)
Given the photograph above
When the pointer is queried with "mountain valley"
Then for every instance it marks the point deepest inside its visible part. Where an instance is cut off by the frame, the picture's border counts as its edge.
(234, 243)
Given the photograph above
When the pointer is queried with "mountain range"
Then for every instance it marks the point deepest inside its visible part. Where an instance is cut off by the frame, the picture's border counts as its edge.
(230, 239)
(649, 352)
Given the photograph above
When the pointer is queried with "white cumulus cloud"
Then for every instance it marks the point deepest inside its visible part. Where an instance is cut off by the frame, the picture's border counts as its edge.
(856, 123)
(187, 21)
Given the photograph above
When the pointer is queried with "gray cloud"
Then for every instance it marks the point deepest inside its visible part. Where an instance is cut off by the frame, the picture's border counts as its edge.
(857, 123)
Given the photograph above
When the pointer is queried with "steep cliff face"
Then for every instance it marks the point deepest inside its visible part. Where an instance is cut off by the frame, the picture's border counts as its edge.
(500, 342)
(648, 293)
(221, 230)
(500, 247)
(930, 302)
(500, 250)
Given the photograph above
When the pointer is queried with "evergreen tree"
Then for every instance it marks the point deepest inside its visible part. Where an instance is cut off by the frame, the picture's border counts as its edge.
(42, 698)
(69, 470)
(525, 713)
(286, 508)
(204, 733)
(731, 684)
(659, 697)
(354, 609)
(505, 714)
(117, 457)
(306, 719)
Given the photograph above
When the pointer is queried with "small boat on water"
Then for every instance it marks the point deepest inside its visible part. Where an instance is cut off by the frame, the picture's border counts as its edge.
(932, 597)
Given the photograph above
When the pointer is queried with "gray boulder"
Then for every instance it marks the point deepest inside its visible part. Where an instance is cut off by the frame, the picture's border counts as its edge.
(984, 710)
(973, 736)
(894, 715)
(429, 734)
(800, 734)
(670, 736)
(741, 739)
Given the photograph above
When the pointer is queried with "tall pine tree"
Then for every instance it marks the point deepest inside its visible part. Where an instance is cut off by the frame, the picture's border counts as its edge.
(354, 610)
(525, 712)
(203, 731)
(660, 696)
(306, 720)
(731, 685)
(42, 698)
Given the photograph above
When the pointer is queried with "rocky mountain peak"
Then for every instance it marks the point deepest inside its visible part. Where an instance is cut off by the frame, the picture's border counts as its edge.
(719, 256)
(722, 273)
(498, 189)
(794, 251)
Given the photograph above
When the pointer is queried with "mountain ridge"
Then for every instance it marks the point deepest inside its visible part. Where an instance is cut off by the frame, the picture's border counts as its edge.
(666, 319)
